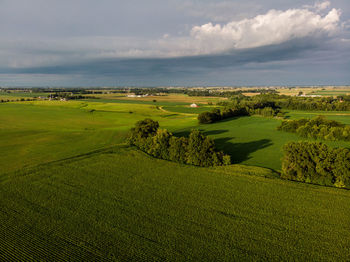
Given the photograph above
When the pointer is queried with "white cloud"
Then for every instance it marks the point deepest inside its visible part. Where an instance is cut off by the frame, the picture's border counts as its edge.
(274, 27)
(323, 5)
(318, 6)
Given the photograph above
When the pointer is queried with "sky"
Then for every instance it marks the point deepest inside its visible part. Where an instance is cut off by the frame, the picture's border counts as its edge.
(174, 42)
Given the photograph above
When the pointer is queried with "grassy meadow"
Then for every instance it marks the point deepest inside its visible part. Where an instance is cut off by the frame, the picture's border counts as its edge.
(253, 140)
(70, 188)
(44, 131)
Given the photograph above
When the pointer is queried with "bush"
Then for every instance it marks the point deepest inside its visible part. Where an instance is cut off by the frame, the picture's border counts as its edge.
(317, 128)
(210, 117)
(205, 118)
(316, 163)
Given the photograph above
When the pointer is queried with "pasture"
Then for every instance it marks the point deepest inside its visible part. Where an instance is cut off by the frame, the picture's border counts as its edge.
(253, 140)
(42, 131)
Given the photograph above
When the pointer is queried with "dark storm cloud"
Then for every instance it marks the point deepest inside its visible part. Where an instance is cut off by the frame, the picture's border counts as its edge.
(182, 65)
(129, 42)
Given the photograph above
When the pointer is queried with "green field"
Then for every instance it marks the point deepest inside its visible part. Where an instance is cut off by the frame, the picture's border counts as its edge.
(70, 189)
(42, 131)
(341, 116)
(100, 206)
(252, 140)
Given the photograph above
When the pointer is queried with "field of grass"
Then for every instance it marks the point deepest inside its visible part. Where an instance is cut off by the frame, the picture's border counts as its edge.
(42, 131)
(187, 109)
(252, 140)
(341, 116)
(101, 207)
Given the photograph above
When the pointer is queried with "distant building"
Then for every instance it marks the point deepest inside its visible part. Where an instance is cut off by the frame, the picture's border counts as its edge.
(194, 105)
(309, 95)
(133, 95)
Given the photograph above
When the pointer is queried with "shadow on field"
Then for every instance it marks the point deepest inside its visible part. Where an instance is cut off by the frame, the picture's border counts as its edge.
(207, 133)
(214, 132)
(240, 152)
(182, 133)
(231, 118)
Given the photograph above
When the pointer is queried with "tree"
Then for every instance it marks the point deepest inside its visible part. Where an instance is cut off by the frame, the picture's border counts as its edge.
(160, 144)
(146, 127)
(205, 118)
(178, 149)
(142, 133)
(316, 163)
(201, 150)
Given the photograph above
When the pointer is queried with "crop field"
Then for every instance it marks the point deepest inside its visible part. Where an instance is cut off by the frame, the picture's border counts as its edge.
(99, 206)
(70, 189)
(323, 91)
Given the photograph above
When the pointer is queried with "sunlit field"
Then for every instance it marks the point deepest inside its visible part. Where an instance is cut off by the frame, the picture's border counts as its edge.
(72, 189)
(122, 204)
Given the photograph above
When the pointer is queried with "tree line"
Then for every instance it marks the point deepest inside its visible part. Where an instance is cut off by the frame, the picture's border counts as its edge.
(227, 93)
(341, 103)
(239, 106)
(70, 96)
(16, 100)
(314, 103)
(271, 105)
(197, 149)
(317, 128)
(316, 163)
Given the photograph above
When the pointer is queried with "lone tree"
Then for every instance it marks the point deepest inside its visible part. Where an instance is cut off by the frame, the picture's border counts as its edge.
(145, 128)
